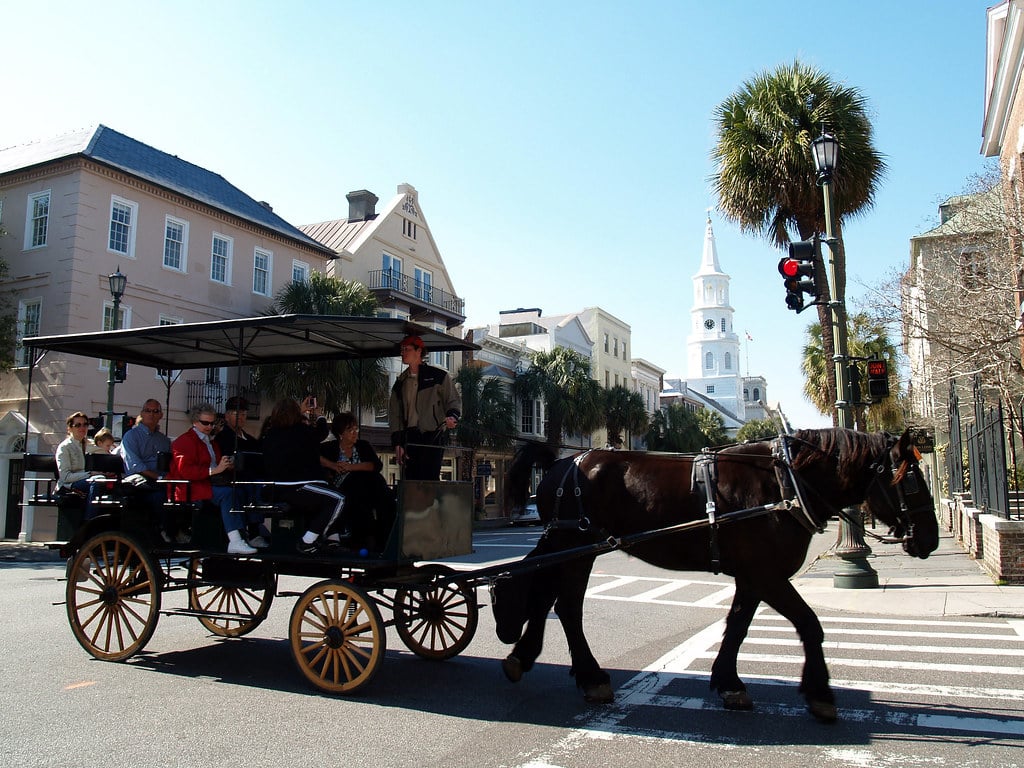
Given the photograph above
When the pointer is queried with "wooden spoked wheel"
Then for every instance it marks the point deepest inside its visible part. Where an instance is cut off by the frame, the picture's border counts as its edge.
(337, 636)
(248, 603)
(113, 596)
(437, 622)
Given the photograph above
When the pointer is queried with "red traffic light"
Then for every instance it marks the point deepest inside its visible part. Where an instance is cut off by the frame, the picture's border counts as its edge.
(789, 267)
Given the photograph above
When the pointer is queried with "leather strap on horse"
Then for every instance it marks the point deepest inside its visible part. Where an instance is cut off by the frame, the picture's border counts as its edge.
(789, 485)
(704, 482)
(582, 521)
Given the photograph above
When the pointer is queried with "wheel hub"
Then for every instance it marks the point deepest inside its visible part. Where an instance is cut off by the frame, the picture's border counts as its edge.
(334, 637)
(109, 596)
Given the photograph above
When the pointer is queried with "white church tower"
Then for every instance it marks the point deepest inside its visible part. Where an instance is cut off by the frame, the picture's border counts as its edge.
(713, 348)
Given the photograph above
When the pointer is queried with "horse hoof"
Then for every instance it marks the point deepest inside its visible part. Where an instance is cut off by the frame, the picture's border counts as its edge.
(823, 711)
(600, 693)
(738, 700)
(513, 668)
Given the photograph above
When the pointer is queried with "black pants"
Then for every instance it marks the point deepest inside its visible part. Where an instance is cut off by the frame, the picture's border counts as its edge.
(422, 458)
(322, 505)
(369, 506)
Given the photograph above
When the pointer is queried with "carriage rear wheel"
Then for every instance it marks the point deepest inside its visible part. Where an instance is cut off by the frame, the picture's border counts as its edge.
(249, 603)
(337, 636)
(113, 596)
(437, 622)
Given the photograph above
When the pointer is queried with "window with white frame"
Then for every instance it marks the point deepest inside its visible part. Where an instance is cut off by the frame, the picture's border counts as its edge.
(728, 361)
(176, 244)
(30, 313)
(423, 283)
(262, 263)
(530, 417)
(709, 361)
(37, 219)
(220, 259)
(169, 320)
(710, 389)
(122, 226)
(123, 321)
(409, 228)
(300, 272)
(390, 271)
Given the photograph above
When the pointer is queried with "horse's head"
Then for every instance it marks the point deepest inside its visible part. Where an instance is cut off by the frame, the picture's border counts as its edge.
(898, 496)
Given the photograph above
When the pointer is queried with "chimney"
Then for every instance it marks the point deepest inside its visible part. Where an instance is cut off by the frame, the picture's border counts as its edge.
(267, 205)
(361, 205)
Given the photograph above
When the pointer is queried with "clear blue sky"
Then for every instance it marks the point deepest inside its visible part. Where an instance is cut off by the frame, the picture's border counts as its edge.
(560, 149)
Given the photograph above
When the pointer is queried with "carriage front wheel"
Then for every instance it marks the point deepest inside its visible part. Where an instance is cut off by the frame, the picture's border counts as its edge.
(337, 636)
(438, 621)
(113, 596)
(241, 606)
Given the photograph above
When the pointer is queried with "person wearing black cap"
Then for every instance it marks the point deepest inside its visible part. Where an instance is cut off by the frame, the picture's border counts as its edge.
(236, 412)
(424, 404)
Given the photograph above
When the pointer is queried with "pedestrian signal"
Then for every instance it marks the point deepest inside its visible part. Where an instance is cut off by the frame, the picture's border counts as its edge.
(878, 379)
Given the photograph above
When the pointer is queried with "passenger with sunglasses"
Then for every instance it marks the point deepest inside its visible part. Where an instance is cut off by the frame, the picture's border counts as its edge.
(195, 457)
(72, 476)
(140, 450)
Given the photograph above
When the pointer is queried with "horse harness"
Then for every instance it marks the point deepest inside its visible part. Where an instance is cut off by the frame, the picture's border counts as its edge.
(793, 490)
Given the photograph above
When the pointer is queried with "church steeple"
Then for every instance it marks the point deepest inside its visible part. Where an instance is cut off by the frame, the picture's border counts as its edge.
(709, 261)
(713, 347)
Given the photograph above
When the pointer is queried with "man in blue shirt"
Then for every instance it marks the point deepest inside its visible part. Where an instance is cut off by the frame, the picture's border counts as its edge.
(139, 448)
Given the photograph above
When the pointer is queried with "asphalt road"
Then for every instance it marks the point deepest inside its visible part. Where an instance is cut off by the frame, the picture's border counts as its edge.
(910, 692)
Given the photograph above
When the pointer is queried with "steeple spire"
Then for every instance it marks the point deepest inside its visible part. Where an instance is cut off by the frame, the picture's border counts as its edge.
(709, 261)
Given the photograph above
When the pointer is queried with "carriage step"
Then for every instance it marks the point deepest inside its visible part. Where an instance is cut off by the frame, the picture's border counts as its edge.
(200, 614)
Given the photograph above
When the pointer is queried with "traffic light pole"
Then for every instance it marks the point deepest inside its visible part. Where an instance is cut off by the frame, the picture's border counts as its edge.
(850, 545)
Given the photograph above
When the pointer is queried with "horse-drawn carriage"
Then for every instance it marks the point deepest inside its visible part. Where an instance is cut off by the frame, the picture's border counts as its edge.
(120, 568)
(773, 494)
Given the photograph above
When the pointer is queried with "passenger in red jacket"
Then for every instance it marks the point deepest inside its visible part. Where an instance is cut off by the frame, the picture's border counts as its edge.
(197, 458)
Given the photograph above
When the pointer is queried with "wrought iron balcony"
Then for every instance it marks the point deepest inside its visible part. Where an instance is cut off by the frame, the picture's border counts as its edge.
(217, 394)
(390, 285)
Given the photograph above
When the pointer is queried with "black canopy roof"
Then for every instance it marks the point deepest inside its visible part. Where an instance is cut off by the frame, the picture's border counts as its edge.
(250, 341)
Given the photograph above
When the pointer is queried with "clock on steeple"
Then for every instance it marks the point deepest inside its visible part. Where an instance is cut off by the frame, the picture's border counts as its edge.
(709, 324)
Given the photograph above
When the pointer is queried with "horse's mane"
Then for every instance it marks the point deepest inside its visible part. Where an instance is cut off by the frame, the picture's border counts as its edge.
(852, 450)
(518, 478)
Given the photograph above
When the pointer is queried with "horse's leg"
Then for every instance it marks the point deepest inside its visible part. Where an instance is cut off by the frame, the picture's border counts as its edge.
(542, 594)
(594, 681)
(725, 679)
(784, 598)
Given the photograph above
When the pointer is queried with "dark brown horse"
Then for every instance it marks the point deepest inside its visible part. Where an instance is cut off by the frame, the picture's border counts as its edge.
(784, 490)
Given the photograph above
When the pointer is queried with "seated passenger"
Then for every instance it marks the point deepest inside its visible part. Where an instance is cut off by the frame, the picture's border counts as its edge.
(140, 449)
(72, 476)
(102, 441)
(196, 458)
(355, 470)
(291, 455)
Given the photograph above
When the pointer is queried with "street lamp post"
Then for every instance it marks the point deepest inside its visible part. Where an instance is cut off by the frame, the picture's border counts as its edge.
(850, 545)
(118, 283)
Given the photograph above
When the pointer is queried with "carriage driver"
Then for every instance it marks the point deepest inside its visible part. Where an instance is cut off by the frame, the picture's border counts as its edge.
(424, 403)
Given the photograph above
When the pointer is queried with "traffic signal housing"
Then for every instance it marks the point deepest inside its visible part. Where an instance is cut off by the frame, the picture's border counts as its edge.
(878, 379)
(799, 275)
(120, 371)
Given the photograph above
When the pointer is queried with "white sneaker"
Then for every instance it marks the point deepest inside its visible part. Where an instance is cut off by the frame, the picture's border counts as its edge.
(259, 542)
(240, 548)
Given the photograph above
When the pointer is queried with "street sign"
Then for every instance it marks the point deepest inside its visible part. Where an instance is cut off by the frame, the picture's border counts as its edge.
(924, 440)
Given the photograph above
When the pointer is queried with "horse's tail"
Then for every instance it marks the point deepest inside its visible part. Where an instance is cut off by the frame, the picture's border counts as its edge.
(526, 456)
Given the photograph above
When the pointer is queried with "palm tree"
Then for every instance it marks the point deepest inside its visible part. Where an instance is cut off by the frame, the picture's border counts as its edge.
(765, 176)
(759, 429)
(624, 411)
(867, 339)
(342, 383)
(675, 429)
(572, 398)
(488, 415)
(713, 426)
